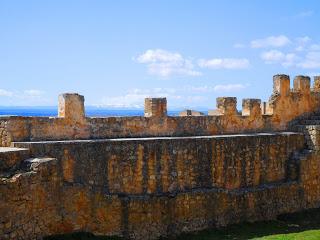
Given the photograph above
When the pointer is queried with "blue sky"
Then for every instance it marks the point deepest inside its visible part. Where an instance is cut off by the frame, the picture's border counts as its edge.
(115, 53)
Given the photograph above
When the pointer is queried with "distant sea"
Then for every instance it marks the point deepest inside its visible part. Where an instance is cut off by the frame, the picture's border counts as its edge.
(90, 111)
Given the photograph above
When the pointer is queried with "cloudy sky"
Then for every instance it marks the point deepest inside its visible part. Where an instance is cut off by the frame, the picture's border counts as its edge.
(116, 53)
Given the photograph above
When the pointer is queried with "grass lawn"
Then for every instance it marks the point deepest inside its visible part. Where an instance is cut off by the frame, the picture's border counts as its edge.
(305, 235)
(298, 226)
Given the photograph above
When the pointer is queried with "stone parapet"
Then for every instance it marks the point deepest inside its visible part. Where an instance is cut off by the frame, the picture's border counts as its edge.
(283, 107)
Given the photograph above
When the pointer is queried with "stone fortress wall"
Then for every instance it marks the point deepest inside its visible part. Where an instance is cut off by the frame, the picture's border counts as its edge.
(158, 175)
(284, 105)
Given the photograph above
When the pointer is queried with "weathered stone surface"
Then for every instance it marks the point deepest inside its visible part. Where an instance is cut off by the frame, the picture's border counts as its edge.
(251, 106)
(71, 107)
(153, 165)
(227, 105)
(316, 83)
(281, 84)
(155, 107)
(302, 84)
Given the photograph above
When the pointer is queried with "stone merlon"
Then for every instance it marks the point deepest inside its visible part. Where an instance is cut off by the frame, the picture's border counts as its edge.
(316, 84)
(281, 84)
(302, 84)
(251, 106)
(227, 105)
(71, 107)
(155, 107)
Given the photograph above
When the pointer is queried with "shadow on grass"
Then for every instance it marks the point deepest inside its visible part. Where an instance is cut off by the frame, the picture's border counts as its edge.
(81, 236)
(293, 223)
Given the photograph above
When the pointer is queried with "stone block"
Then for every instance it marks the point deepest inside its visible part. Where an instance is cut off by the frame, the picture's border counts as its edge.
(71, 107)
(227, 105)
(301, 84)
(251, 106)
(155, 107)
(316, 84)
(281, 84)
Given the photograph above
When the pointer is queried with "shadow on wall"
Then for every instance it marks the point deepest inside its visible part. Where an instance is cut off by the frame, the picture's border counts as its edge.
(81, 236)
(285, 224)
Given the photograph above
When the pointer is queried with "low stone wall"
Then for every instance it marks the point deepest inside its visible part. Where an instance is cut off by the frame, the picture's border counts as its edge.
(173, 164)
(40, 202)
(146, 188)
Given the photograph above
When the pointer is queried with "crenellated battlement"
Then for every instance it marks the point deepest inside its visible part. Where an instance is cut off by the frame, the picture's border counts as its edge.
(71, 105)
(285, 105)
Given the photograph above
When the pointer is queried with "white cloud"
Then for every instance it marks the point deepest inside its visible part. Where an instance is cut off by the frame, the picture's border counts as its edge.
(216, 88)
(315, 47)
(301, 43)
(275, 56)
(26, 97)
(194, 99)
(33, 93)
(224, 63)
(299, 48)
(304, 39)
(190, 95)
(197, 89)
(165, 64)
(5, 93)
(134, 98)
(159, 55)
(312, 74)
(311, 61)
(290, 60)
(128, 100)
(272, 56)
(229, 87)
(24, 94)
(272, 41)
(157, 91)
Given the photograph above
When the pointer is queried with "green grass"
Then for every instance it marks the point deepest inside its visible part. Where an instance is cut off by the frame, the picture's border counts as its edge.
(298, 226)
(305, 235)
